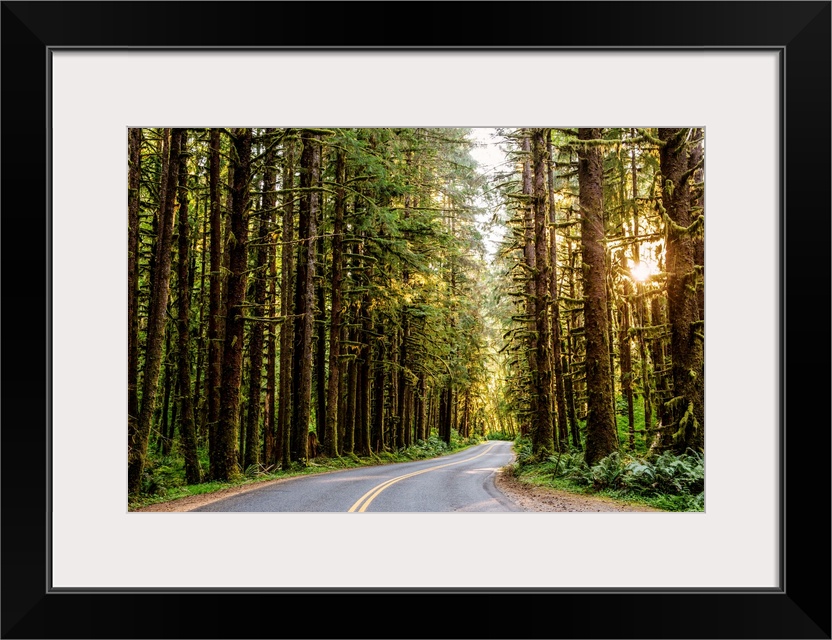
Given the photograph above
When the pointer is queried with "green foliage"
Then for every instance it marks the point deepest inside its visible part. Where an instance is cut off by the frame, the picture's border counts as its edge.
(501, 435)
(523, 449)
(429, 448)
(162, 474)
(668, 481)
(623, 424)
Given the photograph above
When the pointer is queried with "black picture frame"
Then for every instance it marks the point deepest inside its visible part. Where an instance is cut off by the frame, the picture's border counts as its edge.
(800, 608)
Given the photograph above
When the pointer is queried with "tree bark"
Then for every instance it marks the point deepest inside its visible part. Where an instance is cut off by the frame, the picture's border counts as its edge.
(330, 443)
(310, 168)
(187, 427)
(320, 327)
(557, 357)
(542, 427)
(365, 363)
(685, 416)
(215, 319)
(626, 362)
(134, 141)
(377, 431)
(529, 257)
(232, 358)
(287, 328)
(601, 436)
(269, 418)
(255, 349)
(137, 450)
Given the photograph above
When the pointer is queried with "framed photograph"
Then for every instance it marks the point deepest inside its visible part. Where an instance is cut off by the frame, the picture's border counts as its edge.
(755, 76)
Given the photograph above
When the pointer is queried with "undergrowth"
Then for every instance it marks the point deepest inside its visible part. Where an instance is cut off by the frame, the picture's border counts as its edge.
(666, 481)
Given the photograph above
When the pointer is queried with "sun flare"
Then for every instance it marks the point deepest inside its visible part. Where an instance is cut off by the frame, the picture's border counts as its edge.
(644, 270)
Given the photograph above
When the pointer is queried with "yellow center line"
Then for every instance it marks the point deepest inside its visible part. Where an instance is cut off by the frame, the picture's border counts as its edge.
(373, 493)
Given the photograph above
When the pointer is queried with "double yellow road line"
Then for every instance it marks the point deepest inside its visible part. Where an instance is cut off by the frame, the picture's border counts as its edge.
(364, 501)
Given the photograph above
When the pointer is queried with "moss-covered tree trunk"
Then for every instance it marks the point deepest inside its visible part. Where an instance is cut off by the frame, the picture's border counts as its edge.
(255, 336)
(529, 258)
(187, 426)
(696, 164)
(232, 358)
(330, 439)
(365, 363)
(562, 438)
(601, 436)
(420, 408)
(319, 342)
(626, 361)
(200, 408)
(684, 421)
(543, 420)
(134, 140)
(310, 168)
(287, 327)
(377, 430)
(640, 306)
(215, 311)
(137, 445)
(270, 448)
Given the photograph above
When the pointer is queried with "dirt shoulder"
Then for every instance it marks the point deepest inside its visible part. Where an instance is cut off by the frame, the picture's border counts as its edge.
(192, 502)
(544, 499)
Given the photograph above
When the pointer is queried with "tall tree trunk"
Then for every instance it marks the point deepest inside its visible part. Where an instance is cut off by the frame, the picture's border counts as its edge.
(137, 450)
(445, 411)
(330, 441)
(287, 327)
(658, 353)
(542, 427)
(365, 363)
(529, 256)
(320, 328)
(320, 346)
(685, 419)
(344, 399)
(377, 432)
(568, 368)
(696, 165)
(601, 436)
(215, 310)
(269, 419)
(626, 362)
(405, 385)
(187, 428)
(350, 436)
(640, 307)
(421, 404)
(557, 358)
(310, 168)
(232, 358)
(611, 343)
(165, 429)
(200, 408)
(394, 435)
(134, 142)
(255, 349)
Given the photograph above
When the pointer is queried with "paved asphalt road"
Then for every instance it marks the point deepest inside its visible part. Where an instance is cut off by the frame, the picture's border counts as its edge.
(463, 481)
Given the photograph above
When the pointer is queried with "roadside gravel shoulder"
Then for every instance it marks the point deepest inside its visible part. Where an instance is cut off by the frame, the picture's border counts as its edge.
(545, 499)
(192, 502)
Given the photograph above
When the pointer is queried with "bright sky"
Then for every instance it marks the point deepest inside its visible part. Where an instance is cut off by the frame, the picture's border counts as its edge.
(490, 152)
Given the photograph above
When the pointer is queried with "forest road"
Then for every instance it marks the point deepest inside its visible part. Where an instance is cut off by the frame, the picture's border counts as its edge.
(462, 481)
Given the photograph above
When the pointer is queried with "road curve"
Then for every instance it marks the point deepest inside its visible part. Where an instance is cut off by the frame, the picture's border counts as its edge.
(462, 481)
